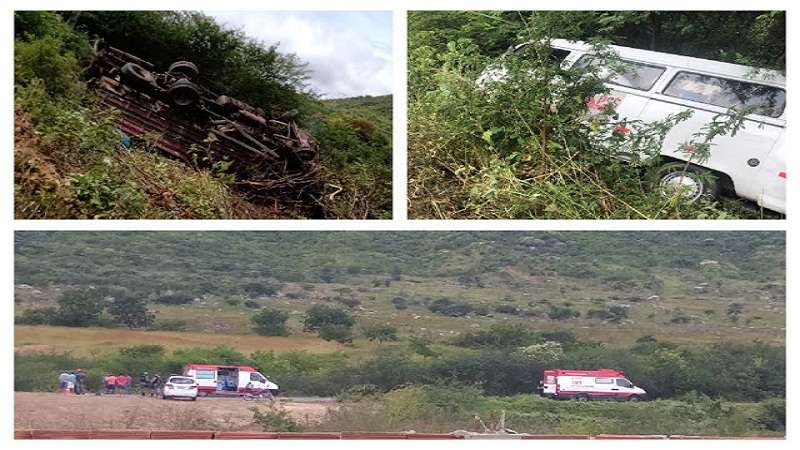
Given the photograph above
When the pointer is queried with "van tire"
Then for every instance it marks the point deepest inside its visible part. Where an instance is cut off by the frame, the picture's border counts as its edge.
(701, 181)
(634, 398)
(582, 398)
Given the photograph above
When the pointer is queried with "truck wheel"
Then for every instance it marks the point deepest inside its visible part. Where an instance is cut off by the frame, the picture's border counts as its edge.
(582, 398)
(183, 93)
(634, 398)
(693, 182)
(183, 69)
(136, 75)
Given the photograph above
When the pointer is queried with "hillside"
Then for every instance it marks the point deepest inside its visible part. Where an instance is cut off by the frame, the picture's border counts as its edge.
(674, 285)
(72, 162)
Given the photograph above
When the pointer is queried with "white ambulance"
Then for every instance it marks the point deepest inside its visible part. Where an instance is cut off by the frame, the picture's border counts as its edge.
(584, 385)
(229, 380)
(750, 164)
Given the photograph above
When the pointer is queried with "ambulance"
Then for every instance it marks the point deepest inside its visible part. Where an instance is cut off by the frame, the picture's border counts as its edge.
(584, 385)
(228, 380)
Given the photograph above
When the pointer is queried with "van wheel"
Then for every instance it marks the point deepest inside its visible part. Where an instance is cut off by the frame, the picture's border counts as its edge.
(582, 398)
(692, 181)
(634, 398)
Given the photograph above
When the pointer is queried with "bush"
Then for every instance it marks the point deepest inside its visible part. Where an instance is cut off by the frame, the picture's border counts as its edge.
(37, 316)
(562, 312)
(175, 299)
(319, 316)
(274, 418)
(271, 322)
(451, 308)
(339, 333)
(400, 303)
(252, 304)
(47, 60)
(381, 333)
(259, 289)
(169, 325)
(772, 414)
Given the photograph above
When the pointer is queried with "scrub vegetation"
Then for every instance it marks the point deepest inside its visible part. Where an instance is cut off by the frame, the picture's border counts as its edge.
(70, 161)
(403, 326)
(523, 147)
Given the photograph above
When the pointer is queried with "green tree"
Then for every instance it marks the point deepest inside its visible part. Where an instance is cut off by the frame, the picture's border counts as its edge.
(130, 311)
(270, 322)
(319, 316)
(80, 308)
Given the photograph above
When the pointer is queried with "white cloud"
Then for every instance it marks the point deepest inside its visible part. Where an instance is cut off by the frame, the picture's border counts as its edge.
(349, 53)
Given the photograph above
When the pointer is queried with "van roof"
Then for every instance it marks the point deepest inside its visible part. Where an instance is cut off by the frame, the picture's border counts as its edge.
(770, 77)
(585, 373)
(219, 366)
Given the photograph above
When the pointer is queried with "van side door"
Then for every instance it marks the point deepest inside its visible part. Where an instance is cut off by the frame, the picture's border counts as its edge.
(741, 157)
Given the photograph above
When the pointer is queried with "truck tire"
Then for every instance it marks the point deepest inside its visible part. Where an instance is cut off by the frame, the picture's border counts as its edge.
(183, 93)
(582, 398)
(695, 181)
(135, 75)
(183, 69)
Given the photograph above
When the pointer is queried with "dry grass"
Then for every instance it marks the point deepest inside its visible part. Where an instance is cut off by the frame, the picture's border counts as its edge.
(84, 341)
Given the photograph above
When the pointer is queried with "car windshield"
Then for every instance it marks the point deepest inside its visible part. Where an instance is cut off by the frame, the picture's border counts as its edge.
(181, 380)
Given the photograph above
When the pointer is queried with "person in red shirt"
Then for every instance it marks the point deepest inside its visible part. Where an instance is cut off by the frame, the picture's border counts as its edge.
(111, 383)
(123, 381)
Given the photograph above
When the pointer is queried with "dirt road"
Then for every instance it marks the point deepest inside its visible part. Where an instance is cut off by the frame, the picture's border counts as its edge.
(37, 410)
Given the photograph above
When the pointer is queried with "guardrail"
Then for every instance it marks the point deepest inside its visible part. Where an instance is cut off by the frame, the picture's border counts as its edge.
(200, 434)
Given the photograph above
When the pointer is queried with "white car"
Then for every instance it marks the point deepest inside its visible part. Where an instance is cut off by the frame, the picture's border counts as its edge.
(180, 387)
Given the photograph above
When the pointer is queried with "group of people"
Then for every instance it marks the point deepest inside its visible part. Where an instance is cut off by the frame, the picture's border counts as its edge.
(117, 384)
(74, 382)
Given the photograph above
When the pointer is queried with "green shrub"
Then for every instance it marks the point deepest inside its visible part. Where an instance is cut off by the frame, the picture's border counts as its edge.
(271, 322)
(37, 316)
(274, 418)
(772, 414)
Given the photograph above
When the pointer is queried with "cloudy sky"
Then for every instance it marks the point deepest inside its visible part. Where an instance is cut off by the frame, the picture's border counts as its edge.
(349, 53)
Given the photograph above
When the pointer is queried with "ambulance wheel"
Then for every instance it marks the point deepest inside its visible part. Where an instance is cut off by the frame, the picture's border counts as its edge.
(692, 181)
(203, 394)
(634, 398)
(582, 398)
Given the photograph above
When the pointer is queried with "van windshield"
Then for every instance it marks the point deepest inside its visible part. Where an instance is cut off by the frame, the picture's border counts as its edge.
(632, 74)
(622, 382)
(765, 100)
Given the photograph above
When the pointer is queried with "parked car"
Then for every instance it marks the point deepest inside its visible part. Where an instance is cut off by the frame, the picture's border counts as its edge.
(229, 380)
(652, 85)
(180, 387)
(584, 385)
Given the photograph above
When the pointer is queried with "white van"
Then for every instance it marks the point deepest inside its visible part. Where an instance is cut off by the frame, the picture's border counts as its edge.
(584, 385)
(751, 164)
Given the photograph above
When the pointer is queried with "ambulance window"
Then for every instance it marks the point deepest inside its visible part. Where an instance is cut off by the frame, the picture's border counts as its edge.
(205, 375)
(766, 100)
(633, 74)
(624, 383)
(256, 377)
(603, 381)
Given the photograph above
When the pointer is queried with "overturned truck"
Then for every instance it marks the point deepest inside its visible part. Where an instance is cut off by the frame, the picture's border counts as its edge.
(272, 158)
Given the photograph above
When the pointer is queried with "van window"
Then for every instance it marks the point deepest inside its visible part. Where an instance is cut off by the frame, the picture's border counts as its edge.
(767, 100)
(205, 375)
(624, 383)
(257, 377)
(635, 75)
(603, 381)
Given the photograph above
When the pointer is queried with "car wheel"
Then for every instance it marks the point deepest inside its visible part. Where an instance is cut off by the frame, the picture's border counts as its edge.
(183, 93)
(634, 398)
(691, 181)
(194, 399)
(582, 398)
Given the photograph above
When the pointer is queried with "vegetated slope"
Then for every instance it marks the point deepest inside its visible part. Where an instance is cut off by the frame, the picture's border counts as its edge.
(75, 166)
(670, 284)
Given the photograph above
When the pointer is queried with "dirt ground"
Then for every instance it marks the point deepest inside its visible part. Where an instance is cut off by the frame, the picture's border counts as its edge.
(38, 410)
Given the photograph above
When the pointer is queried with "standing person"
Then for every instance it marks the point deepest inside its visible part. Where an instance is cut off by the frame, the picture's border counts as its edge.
(128, 383)
(111, 383)
(71, 381)
(144, 383)
(155, 385)
(80, 382)
(62, 381)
